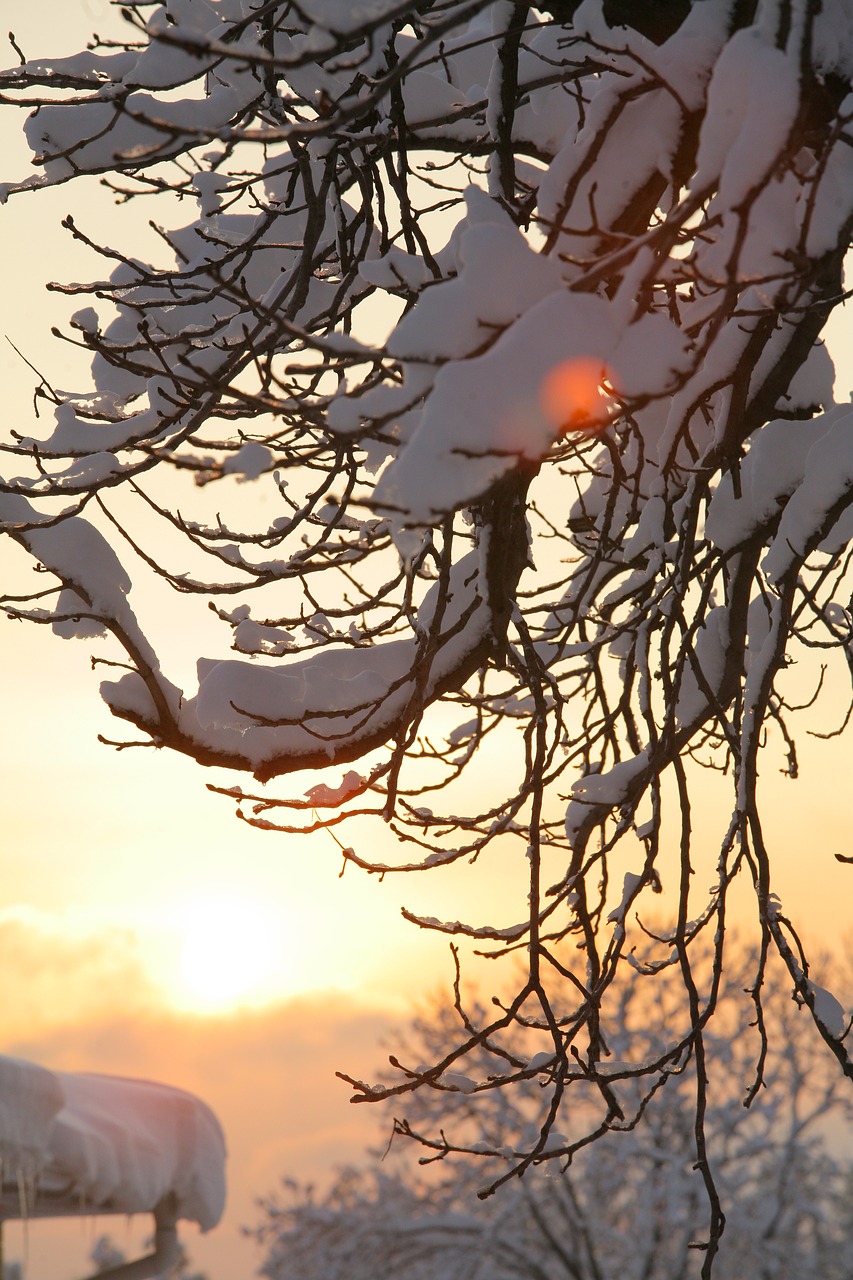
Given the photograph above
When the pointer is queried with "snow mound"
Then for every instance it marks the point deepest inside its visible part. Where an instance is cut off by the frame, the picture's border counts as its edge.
(87, 1143)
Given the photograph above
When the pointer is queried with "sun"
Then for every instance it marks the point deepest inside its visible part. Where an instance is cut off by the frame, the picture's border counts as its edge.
(229, 953)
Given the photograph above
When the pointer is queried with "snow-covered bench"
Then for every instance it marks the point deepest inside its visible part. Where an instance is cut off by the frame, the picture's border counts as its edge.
(74, 1144)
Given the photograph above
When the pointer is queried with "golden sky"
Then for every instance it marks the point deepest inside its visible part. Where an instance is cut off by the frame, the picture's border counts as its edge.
(115, 866)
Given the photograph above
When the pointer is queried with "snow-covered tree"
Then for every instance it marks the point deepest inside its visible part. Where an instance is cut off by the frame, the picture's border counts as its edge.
(491, 337)
(629, 1207)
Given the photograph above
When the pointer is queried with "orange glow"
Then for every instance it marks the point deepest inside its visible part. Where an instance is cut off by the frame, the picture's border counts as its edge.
(573, 395)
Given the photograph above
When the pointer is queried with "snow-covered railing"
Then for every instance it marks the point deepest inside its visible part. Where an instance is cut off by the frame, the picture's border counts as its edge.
(77, 1144)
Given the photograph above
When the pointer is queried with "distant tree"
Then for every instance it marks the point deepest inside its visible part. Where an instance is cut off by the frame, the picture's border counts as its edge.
(510, 317)
(628, 1207)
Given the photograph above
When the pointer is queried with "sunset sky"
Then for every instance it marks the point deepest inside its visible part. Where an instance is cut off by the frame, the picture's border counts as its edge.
(125, 880)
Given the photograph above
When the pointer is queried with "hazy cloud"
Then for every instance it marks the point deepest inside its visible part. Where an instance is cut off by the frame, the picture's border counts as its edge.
(53, 975)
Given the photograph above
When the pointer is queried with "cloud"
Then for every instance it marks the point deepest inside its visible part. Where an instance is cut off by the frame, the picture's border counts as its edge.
(54, 975)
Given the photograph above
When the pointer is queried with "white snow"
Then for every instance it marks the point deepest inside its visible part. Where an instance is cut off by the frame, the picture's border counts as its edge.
(96, 1143)
(73, 434)
(828, 1010)
(834, 199)
(709, 653)
(333, 697)
(338, 686)
(606, 790)
(76, 551)
(630, 884)
(771, 471)
(646, 129)
(457, 316)
(346, 15)
(832, 37)
(30, 1098)
(813, 384)
(461, 1083)
(612, 787)
(91, 135)
(321, 794)
(69, 625)
(396, 269)
(249, 462)
(827, 482)
(753, 99)
(254, 637)
(488, 412)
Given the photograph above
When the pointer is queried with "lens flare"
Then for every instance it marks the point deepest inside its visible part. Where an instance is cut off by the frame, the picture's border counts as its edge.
(573, 394)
